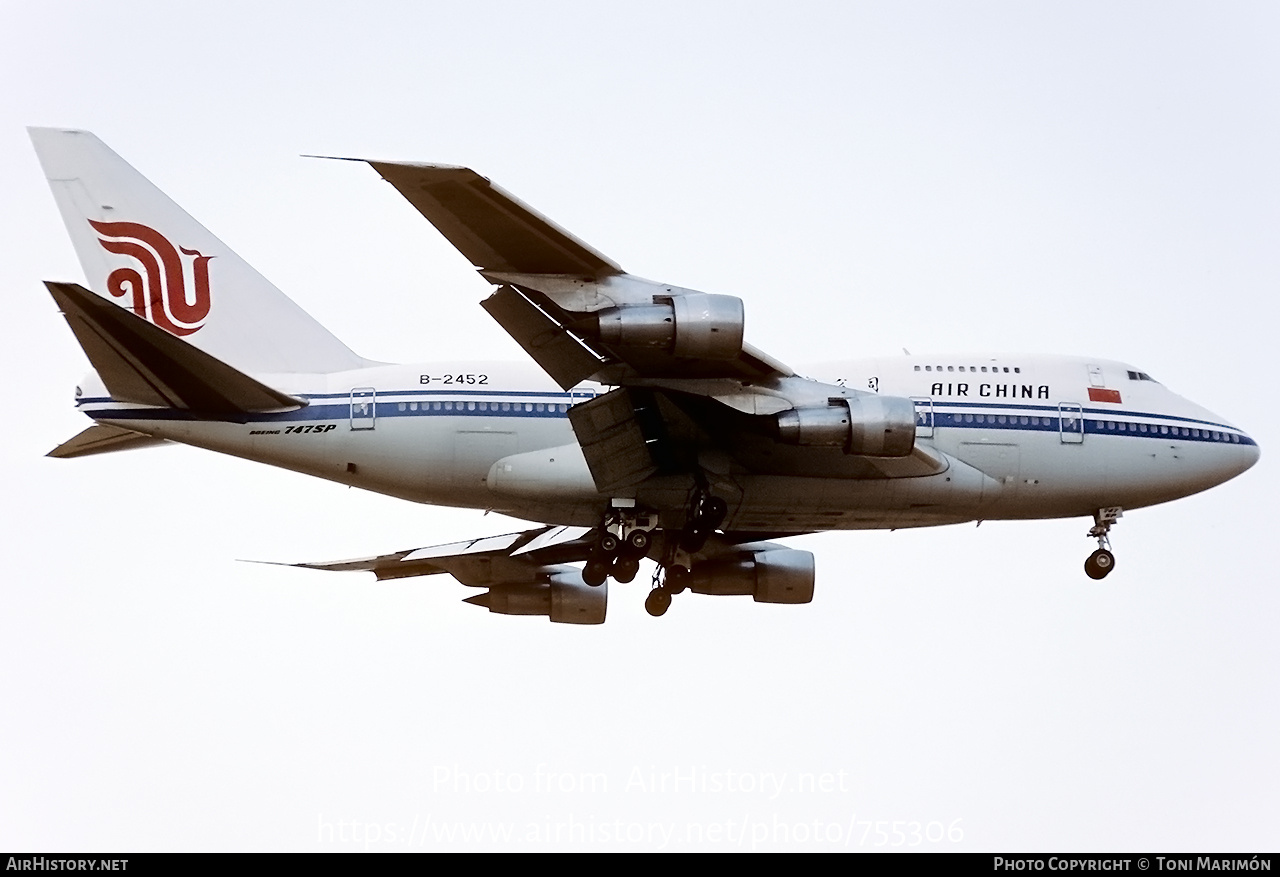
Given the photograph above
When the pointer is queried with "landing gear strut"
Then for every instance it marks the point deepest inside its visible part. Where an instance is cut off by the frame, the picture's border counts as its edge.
(1102, 561)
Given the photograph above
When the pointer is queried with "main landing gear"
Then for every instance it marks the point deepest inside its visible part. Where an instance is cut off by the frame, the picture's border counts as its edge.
(668, 581)
(706, 514)
(625, 537)
(1102, 561)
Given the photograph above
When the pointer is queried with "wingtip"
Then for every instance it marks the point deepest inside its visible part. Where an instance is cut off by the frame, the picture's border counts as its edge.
(383, 162)
(34, 130)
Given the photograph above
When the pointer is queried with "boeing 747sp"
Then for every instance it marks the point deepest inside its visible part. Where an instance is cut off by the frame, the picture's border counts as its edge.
(649, 429)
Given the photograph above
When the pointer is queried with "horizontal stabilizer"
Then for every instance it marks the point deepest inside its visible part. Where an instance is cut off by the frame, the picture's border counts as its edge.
(141, 363)
(493, 229)
(103, 439)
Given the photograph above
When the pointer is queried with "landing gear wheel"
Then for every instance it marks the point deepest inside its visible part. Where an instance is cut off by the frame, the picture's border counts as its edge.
(713, 511)
(693, 539)
(595, 573)
(608, 543)
(1099, 564)
(658, 602)
(625, 569)
(638, 542)
(676, 580)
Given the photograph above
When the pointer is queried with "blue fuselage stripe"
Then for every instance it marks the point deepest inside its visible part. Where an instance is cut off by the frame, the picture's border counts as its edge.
(480, 403)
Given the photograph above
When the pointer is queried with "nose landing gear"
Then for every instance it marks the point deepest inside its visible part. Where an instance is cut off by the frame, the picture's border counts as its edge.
(1102, 561)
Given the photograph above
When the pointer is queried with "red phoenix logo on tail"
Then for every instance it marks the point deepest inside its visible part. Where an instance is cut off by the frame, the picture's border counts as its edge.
(159, 291)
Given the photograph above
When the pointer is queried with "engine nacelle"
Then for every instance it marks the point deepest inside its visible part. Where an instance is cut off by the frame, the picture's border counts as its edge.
(566, 599)
(696, 325)
(866, 424)
(769, 575)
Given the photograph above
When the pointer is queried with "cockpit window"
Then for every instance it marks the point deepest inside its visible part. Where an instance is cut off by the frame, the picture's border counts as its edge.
(1142, 376)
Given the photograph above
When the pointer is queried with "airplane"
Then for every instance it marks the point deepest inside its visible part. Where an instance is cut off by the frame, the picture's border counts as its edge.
(649, 427)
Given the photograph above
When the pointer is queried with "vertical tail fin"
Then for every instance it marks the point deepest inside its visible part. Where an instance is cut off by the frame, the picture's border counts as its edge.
(144, 252)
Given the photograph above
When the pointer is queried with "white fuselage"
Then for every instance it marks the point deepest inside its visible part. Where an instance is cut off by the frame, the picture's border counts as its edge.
(1019, 437)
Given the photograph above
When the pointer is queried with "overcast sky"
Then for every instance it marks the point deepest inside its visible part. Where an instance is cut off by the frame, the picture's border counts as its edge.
(1082, 178)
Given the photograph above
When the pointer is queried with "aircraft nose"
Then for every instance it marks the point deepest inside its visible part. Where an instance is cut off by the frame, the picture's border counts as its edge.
(1234, 458)
(1250, 452)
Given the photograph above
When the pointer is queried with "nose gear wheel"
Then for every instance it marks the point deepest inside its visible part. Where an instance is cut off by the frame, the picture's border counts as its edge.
(1102, 561)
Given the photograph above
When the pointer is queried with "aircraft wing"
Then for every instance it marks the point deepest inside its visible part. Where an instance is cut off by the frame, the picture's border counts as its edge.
(489, 226)
(522, 573)
(528, 573)
(554, 290)
(688, 386)
(513, 558)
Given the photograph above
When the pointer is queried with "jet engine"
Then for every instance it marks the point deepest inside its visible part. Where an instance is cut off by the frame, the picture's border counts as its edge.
(565, 598)
(769, 574)
(696, 325)
(866, 424)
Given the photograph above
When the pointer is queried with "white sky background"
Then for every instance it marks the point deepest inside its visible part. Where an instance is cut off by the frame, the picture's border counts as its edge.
(1088, 178)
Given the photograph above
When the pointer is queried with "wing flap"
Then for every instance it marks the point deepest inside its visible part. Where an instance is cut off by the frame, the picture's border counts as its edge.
(618, 441)
(560, 353)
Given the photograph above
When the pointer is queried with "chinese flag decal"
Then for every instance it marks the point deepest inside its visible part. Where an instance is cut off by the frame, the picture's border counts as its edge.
(1099, 395)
